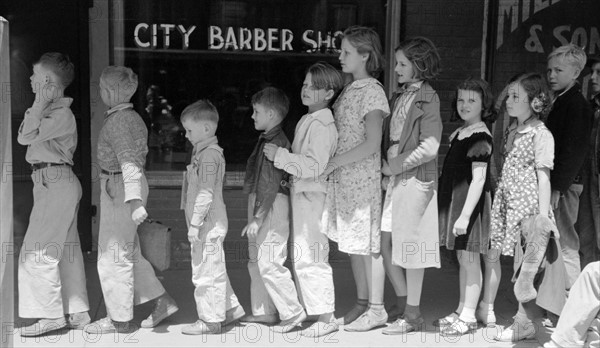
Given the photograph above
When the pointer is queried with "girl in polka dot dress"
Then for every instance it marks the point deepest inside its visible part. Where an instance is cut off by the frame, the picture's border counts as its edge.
(524, 184)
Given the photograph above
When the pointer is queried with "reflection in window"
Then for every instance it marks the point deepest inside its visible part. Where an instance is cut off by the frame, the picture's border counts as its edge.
(168, 44)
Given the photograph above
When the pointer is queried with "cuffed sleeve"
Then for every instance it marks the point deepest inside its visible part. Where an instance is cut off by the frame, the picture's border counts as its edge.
(543, 144)
(429, 141)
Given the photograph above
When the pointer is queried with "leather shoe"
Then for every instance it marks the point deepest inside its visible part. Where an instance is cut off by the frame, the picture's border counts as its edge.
(200, 327)
(518, 331)
(458, 328)
(402, 326)
(164, 307)
(43, 326)
(447, 320)
(105, 326)
(367, 321)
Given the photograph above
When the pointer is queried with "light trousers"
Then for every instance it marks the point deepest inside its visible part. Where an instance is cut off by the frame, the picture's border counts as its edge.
(126, 277)
(51, 276)
(311, 253)
(272, 289)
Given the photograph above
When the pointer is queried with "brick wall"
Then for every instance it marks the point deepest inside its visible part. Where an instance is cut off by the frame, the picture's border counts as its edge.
(456, 27)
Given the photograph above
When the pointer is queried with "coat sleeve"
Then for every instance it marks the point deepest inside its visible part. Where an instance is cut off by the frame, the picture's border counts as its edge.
(569, 158)
(429, 139)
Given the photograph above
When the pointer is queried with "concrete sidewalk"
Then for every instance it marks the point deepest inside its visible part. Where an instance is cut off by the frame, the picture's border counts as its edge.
(440, 296)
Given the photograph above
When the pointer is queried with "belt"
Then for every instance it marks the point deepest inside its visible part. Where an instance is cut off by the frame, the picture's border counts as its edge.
(42, 165)
(106, 172)
(577, 179)
(394, 142)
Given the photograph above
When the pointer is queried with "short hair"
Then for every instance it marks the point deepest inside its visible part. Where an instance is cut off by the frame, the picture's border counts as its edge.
(573, 54)
(535, 86)
(423, 55)
(488, 111)
(366, 41)
(60, 65)
(201, 110)
(120, 79)
(324, 76)
(274, 99)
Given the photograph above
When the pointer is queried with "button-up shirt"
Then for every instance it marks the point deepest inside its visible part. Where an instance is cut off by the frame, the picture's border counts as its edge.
(314, 144)
(51, 133)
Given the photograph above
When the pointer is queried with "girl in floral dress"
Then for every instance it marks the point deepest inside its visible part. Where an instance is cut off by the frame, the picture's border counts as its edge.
(524, 185)
(353, 205)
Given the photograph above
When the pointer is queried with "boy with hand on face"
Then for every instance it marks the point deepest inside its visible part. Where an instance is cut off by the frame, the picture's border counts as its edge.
(51, 279)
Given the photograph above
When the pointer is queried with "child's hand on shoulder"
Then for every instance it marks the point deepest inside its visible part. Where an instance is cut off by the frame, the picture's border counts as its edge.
(138, 212)
(193, 234)
(251, 229)
(270, 150)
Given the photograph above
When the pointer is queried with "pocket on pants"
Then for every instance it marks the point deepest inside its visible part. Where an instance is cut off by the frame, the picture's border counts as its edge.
(107, 187)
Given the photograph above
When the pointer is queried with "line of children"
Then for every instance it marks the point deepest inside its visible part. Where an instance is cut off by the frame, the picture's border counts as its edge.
(333, 183)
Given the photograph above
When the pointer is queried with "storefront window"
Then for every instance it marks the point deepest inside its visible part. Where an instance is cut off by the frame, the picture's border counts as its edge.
(225, 51)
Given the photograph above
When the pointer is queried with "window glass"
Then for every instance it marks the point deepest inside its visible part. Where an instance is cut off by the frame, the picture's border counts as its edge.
(225, 51)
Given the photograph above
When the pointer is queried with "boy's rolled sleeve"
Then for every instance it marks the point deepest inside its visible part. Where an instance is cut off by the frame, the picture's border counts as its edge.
(37, 128)
(209, 174)
(312, 162)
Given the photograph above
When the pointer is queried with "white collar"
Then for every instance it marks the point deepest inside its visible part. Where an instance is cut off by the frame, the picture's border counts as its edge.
(119, 107)
(465, 132)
